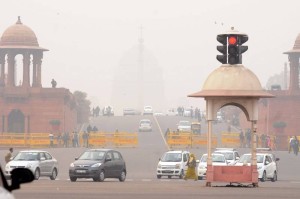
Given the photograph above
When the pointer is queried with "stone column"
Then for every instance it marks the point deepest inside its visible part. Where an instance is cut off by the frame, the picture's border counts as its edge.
(11, 69)
(294, 73)
(39, 71)
(26, 75)
(34, 64)
(2, 75)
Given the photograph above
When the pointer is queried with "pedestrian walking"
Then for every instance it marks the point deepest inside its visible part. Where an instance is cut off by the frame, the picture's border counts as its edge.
(9, 155)
(296, 145)
(242, 138)
(191, 171)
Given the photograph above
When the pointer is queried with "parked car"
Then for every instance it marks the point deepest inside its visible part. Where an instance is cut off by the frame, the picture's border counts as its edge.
(266, 165)
(41, 163)
(173, 163)
(148, 110)
(217, 160)
(184, 125)
(231, 154)
(145, 125)
(98, 164)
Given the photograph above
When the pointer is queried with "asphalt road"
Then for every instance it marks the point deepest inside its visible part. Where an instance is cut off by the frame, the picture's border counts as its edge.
(141, 181)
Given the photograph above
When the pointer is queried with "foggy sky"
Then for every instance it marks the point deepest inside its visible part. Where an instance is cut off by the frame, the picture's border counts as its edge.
(87, 39)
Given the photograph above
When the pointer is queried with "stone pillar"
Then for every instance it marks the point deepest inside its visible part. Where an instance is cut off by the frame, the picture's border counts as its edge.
(39, 71)
(294, 73)
(26, 74)
(2, 65)
(34, 64)
(11, 69)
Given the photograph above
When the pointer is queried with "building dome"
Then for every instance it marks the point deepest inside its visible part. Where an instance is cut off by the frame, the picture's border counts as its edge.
(19, 36)
(228, 80)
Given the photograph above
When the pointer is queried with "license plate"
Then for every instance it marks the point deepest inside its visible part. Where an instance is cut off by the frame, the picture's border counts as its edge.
(80, 171)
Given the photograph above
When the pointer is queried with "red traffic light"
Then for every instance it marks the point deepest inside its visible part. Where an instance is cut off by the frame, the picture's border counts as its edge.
(232, 40)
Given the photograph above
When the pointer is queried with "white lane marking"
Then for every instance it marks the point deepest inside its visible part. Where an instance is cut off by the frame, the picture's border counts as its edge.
(161, 133)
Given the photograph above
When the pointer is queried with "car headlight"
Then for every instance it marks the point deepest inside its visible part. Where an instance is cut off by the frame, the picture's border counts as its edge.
(96, 165)
(159, 166)
(177, 166)
(72, 164)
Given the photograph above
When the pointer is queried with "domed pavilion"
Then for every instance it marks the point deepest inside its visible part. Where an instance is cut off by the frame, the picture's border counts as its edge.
(26, 106)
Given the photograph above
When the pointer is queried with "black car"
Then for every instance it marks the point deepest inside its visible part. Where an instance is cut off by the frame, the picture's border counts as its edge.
(98, 164)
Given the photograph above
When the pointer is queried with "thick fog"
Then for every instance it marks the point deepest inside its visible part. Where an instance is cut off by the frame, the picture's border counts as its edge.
(89, 41)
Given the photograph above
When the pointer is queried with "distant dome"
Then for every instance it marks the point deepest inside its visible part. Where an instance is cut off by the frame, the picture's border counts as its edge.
(296, 48)
(231, 81)
(19, 36)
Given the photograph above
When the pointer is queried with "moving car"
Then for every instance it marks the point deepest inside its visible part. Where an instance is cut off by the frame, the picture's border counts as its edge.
(266, 165)
(98, 164)
(217, 160)
(148, 110)
(184, 125)
(41, 163)
(173, 163)
(231, 154)
(145, 125)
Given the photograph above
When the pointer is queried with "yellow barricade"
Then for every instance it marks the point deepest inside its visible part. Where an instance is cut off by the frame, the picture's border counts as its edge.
(187, 139)
(97, 139)
(231, 140)
(201, 141)
(122, 139)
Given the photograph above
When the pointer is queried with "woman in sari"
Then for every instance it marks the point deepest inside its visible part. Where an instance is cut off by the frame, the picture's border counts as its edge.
(191, 171)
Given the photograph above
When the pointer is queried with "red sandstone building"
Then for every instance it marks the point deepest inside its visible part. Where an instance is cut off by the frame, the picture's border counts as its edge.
(26, 106)
(280, 116)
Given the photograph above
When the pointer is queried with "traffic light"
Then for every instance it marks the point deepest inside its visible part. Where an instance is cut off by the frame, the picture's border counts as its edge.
(222, 49)
(242, 39)
(233, 50)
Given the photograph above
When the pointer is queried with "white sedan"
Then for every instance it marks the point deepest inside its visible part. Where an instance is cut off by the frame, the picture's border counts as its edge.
(41, 163)
(217, 160)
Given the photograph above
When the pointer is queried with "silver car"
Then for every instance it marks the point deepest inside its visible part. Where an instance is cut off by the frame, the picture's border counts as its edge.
(41, 163)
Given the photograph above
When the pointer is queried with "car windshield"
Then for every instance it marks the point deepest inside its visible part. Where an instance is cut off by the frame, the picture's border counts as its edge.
(145, 122)
(184, 123)
(172, 157)
(228, 155)
(27, 156)
(215, 158)
(92, 155)
(247, 158)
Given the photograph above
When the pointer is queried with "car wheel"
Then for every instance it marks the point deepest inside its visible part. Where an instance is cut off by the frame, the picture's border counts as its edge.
(122, 176)
(158, 176)
(169, 177)
(37, 174)
(181, 174)
(54, 174)
(101, 176)
(73, 179)
(274, 179)
(264, 177)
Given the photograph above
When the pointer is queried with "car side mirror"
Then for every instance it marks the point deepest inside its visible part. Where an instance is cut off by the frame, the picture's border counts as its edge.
(18, 176)
(107, 159)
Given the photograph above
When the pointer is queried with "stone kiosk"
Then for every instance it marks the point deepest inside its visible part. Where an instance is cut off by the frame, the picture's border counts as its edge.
(232, 84)
(26, 106)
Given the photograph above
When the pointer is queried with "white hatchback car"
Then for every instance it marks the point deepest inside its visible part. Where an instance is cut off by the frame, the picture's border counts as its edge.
(217, 160)
(41, 163)
(145, 125)
(266, 165)
(148, 110)
(173, 163)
